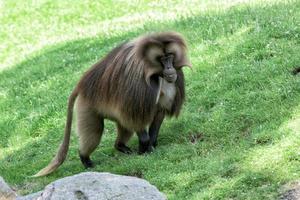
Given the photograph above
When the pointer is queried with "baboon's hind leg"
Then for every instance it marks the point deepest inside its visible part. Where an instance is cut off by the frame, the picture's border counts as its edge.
(123, 136)
(90, 127)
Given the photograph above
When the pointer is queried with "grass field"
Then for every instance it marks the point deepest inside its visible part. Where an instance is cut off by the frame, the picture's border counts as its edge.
(238, 136)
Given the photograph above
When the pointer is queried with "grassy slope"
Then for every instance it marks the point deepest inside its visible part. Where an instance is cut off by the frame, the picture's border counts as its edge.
(242, 101)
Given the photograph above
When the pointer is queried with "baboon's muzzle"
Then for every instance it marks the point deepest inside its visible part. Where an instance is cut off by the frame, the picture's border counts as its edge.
(169, 72)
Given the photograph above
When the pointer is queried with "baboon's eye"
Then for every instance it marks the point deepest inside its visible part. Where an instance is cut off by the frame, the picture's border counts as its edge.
(158, 58)
(170, 54)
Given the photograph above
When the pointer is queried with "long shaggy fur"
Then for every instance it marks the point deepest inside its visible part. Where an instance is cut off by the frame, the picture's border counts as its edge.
(118, 83)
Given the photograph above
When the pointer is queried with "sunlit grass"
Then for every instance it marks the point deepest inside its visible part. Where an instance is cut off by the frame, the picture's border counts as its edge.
(242, 100)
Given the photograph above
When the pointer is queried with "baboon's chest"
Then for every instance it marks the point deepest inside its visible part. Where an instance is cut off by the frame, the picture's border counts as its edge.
(167, 94)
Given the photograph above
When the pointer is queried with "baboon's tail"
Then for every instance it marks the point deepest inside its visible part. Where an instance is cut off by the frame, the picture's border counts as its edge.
(64, 147)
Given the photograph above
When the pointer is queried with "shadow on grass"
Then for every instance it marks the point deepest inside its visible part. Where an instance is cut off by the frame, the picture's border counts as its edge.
(238, 96)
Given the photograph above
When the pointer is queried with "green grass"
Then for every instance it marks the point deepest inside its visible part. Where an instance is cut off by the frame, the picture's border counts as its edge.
(242, 103)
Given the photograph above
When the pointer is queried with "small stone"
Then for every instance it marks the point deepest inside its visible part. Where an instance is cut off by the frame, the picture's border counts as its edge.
(291, 191)
(296, 70)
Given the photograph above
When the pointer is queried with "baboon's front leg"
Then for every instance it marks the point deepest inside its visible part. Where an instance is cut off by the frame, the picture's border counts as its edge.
(144, 142)
(155, 126)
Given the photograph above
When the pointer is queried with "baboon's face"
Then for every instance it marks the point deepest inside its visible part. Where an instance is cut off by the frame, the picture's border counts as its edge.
(165, 59)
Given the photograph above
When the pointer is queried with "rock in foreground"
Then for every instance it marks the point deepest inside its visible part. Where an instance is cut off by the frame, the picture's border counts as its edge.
(6, 193)
(99, 186)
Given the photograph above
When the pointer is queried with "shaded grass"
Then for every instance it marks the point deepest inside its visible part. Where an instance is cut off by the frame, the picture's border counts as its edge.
(241, 97)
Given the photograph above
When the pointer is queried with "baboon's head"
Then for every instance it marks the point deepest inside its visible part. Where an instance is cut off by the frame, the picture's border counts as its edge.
(164, 54)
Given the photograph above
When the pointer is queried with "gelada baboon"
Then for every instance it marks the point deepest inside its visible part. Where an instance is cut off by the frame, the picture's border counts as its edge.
(135, 85)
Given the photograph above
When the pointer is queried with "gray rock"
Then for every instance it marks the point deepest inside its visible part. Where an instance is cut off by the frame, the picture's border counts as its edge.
(99, 186)
(33, 196)
(6, 193)
(291, 191)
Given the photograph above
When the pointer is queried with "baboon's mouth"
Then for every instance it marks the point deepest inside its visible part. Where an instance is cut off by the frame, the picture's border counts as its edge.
(170, 77)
